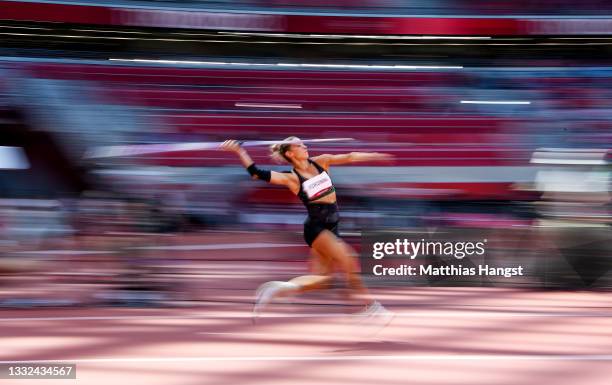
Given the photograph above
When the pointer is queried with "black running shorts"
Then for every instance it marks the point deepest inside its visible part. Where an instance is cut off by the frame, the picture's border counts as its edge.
(320, 217)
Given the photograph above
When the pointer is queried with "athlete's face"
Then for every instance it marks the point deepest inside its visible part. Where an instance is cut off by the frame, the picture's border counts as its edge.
(300, 150)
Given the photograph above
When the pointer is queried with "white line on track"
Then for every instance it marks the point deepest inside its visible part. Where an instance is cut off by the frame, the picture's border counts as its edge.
(213, 246)
(220, 246)
(403, 357)
(66, 252)
(415, 314)
(295, 336)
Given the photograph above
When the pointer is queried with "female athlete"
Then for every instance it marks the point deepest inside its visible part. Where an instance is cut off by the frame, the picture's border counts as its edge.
(310, 181)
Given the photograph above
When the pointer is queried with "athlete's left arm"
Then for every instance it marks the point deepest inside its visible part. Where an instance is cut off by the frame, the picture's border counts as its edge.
(326, 160)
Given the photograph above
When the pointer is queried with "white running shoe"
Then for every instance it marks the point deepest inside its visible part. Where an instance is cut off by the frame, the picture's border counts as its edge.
(267, 292)
(370, 310)
(376, 315)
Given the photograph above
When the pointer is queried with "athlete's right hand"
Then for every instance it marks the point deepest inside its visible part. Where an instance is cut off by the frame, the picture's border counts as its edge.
(231, 145)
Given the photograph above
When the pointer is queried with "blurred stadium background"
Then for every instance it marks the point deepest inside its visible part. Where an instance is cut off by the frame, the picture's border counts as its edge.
(498, 114)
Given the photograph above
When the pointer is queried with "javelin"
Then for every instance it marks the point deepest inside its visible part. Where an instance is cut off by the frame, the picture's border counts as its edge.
(142, 149)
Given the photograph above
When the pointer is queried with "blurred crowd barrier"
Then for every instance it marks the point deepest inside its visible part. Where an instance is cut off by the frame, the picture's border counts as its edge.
(362, 17)
(519, 155)
(554, 7)
(416, 7)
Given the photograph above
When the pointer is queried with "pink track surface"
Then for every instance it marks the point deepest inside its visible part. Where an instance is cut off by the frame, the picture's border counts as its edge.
(438, 336)
(449, 336)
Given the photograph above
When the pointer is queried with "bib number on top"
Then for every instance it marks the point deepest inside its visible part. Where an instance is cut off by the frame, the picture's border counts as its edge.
(317, 185)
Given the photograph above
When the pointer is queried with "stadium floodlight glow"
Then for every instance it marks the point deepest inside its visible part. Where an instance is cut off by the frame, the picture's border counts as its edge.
(570, 156)
(267, 105)
(366, 66)
(302, 65)
(494, 102)
(592, 162)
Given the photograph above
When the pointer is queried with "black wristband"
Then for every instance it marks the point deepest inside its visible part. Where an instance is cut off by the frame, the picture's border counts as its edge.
(260, 174)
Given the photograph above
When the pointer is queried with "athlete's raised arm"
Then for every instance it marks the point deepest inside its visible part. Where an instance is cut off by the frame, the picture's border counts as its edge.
(326, 160)
(257, 173)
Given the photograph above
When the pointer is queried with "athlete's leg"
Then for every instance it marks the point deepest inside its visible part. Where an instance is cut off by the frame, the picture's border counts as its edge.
(330, 246)
(343, 256)
(320, 279)
(329, 251)
(322, 268)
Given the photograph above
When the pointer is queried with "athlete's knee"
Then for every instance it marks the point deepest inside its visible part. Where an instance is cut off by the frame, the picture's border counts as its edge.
(320, 264)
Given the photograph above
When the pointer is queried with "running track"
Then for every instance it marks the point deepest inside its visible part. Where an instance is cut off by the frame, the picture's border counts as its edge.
(439, 336)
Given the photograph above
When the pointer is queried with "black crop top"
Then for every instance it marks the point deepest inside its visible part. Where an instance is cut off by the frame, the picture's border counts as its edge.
(316, 187)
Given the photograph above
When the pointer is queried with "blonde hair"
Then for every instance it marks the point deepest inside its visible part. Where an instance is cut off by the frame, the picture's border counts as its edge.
(278, 150)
